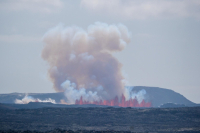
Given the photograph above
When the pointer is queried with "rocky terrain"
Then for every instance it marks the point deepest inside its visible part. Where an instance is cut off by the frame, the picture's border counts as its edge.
(87, 131)
(186, 119)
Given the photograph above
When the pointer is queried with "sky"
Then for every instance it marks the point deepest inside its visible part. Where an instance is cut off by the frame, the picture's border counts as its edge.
(164, 50)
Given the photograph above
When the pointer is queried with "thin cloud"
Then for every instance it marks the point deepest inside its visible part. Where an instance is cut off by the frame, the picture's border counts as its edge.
(35, 6)
(18, 38)
(137, 9)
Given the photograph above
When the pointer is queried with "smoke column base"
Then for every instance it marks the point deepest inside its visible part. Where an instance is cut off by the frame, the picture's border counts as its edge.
(115, 102)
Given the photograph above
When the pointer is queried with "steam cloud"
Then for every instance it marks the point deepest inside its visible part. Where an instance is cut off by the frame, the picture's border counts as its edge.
(140, 95)
(81, 61)
(28, 99)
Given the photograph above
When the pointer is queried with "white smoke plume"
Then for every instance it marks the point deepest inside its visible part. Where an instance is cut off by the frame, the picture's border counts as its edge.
(81, 61)
(130, 94)
(73, 94)
(28, 99)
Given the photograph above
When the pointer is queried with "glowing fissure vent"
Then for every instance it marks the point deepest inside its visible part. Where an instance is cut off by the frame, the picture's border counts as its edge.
(115, 102)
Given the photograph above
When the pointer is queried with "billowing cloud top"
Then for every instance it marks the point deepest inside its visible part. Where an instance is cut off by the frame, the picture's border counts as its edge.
(83, 58)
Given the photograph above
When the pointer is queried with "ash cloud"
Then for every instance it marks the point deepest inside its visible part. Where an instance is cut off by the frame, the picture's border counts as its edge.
(81, 61)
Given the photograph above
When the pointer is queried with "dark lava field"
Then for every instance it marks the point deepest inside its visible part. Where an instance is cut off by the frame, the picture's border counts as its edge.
(186, 119)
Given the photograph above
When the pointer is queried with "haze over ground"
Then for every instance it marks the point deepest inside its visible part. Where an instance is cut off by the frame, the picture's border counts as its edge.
(164, 50)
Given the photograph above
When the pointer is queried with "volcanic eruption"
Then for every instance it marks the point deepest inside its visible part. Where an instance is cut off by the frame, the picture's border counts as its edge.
(82, 66)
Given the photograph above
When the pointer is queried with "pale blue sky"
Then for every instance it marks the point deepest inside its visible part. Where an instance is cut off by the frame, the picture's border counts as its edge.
(164, 50)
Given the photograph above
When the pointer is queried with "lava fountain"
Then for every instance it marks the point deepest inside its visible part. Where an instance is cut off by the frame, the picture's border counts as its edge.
(115, 102)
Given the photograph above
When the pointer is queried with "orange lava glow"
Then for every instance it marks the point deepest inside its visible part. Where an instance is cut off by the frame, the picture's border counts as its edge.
(116, 102)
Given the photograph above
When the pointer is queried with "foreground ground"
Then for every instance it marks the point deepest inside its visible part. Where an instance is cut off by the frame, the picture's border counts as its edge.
(89, 131)
(101, 119)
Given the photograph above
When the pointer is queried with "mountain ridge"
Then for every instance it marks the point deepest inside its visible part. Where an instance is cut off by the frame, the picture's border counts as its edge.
(156, 95)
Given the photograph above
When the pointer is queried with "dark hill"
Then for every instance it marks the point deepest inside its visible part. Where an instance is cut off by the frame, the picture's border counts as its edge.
(158, 96)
